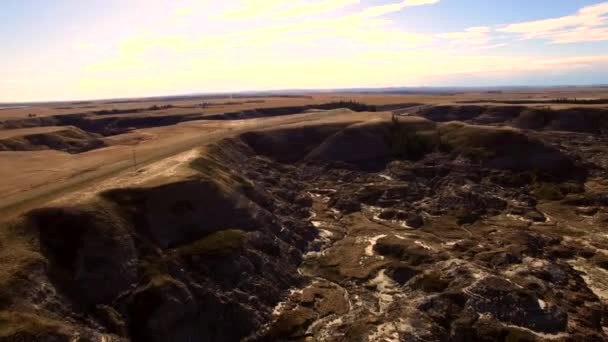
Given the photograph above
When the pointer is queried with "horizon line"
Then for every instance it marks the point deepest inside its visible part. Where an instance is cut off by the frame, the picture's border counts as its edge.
(295, 91)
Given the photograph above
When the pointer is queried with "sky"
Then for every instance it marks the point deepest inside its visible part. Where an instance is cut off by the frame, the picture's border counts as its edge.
(74, 49)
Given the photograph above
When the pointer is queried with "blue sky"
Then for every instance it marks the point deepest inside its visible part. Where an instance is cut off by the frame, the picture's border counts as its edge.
(69, 49)
(457, 15)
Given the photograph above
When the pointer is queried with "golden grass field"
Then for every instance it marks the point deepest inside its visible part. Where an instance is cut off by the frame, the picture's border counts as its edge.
(227, 104)
(38, 176)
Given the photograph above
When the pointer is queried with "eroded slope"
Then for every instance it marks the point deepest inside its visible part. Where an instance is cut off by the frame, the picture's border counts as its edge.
(382, 230)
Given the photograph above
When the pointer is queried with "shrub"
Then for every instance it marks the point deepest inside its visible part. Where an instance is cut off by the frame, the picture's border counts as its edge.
(407, 143)
(431, 282)
(548, 191)
(572, 188)
(219, 242)
(26, 326)
(352, 105)
(579, 101)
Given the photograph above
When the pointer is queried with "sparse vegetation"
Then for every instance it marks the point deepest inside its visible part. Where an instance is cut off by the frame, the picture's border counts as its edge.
(17, 256)
(153, 263)
(505, 148)
(555, 192)
(219, 242)
(157, 107)
(548, 192)
(535, 118)
(112, 319)
(68, 139)
(209, 168)
(572, 188)
(352, 105)
(431, 282)
(25, 326)
(561, 100)
(188, 277)
(567, 231)
(291, 322)
(289, 110)
(407, 143)
(518, 335)
(115, 111)
(580, 101)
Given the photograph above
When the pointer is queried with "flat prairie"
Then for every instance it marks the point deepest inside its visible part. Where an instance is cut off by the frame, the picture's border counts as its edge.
(26, 175)
(224, 104)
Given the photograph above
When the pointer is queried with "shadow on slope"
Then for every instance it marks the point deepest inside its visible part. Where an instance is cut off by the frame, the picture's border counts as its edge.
(68, 139)
(204, 258)
(208, 257)
(584, 120)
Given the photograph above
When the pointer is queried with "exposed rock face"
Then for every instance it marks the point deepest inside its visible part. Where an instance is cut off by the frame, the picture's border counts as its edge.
(193, 209)
(468, 240)
(512, 305)
(504, 148)
(381, 231)
(91, 255)
(163, 310)
(289, 145)
(68, 139)
(583, 120)
(357, 143)
(201, 259)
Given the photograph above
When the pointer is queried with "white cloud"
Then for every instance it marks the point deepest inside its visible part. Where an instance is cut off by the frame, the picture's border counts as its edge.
(85, 46)
(588, 24)
(292, 21)
(311, 8)
(581, 34)
(493, 46)
(248, 9)
(296, 8)
(471, 36)
(293, 50)
(263, 44)
(377, 11)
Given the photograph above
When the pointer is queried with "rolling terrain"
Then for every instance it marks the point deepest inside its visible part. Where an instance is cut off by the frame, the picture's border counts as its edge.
(307, 221)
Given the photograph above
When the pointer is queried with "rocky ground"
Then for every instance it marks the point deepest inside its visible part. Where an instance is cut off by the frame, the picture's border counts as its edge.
(386, 230)
(439, 249)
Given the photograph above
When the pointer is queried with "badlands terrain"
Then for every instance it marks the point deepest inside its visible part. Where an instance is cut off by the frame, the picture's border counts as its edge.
(323, 217)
